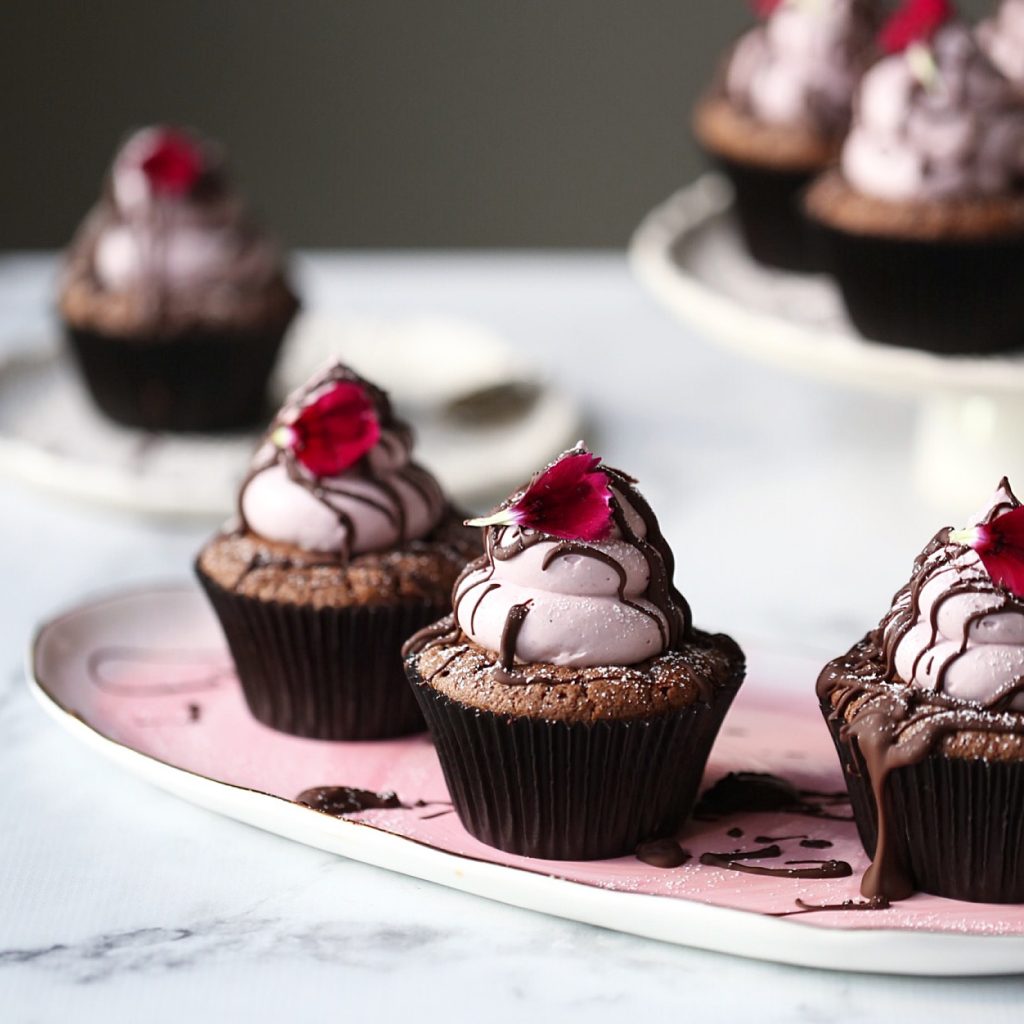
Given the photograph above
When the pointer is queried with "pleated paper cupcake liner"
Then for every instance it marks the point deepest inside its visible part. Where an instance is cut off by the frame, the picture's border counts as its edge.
(957, 823)
(323, 673)
(769, 207)
(189, 382)
(571, 791)
(940, 296)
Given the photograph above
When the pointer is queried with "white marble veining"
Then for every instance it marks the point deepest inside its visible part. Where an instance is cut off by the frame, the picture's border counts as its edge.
(789, 507)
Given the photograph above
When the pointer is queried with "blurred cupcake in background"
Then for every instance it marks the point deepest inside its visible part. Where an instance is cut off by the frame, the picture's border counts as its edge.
(777, 113)
(174, 303)
(923, 219)
(1002, 38)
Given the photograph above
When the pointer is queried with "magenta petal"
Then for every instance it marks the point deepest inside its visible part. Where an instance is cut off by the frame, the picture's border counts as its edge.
(1001, 550)
(571, 500)
(916, 21)
(174, 164)
(333, 433)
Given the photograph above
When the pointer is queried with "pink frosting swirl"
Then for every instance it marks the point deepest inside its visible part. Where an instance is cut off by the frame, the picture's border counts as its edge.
(179, 242)
(801, 66)
(608, 602)
(951, 630)
(1002, 38)
(952, 131)
(384, 500)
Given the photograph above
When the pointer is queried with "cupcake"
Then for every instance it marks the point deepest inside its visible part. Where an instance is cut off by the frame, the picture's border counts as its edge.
(777, 113)
(343, 547)
(927, 714)
(173, 303)
(1002, 38)
(923, 219)
(572, 703)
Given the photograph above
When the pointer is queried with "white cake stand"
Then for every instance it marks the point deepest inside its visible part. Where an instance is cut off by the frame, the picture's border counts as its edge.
(970, 421)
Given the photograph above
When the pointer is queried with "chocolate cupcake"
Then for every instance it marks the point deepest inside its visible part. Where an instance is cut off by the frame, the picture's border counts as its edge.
(927, 714)
(572, 703)
(1002, 38)
(923, 219)
(343, 548)
(174, 304)
(777, 112)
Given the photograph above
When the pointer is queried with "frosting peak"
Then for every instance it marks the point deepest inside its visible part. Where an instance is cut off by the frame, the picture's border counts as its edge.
(952, 630)
(382, 499)
(801, 65)
(534, 597)
(935, 122)
(171, 222)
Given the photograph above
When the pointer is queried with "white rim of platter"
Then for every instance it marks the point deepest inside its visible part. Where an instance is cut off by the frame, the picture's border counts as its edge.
(688, 252)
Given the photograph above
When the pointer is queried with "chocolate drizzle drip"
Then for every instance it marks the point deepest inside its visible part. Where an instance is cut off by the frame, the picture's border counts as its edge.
(662, 853)
(892, 723)
(875, 903)
(395, 435)
(509, 634)
(737, 862)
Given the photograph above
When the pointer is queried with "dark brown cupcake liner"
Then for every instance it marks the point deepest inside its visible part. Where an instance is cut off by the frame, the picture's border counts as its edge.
(323, 673)
(957, 824)
(941, 296)
(571, 791)
(199, 381)
(769, 207)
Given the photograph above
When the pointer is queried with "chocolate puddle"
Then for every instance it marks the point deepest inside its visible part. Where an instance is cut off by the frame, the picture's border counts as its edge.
(736, 833)
(745, 792)
(341, 800)
(662, 853)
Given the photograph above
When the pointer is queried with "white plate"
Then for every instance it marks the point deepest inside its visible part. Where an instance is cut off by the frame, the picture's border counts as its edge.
(53, 437)
(144, 678)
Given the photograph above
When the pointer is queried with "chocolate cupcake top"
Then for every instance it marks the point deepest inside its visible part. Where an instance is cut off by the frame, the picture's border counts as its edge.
(934, 120)
(1002, 38)
(955, 628)
(334, 473)
(801, 65)
(575, 573)
(170, 241)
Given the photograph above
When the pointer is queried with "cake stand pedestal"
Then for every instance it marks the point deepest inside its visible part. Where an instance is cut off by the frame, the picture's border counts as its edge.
(970, 415)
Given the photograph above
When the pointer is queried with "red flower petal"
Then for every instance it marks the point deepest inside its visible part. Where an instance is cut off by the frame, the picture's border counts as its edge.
(1000, 546)
(571, 500)
(915, 22)
(173, 164)
(766, 8)
(333, 433)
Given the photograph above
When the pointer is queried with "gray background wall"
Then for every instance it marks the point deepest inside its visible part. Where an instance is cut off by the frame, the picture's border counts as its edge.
(369, 122)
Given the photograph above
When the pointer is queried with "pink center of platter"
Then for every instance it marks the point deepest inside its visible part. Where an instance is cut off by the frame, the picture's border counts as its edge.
(151, 673)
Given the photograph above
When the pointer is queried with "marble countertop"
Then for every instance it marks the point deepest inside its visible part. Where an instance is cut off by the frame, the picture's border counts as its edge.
(790, 509)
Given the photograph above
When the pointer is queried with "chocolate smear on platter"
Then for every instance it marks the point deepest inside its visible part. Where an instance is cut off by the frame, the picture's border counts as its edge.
(734, 833)
(746, 792)
(875, 903)
(662, 853)
(341, 800)
(796, 869)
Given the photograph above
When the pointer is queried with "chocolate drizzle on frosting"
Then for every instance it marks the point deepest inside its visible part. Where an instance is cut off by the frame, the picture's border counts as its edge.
(892, 721)
(636, 532)
(365, 486)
